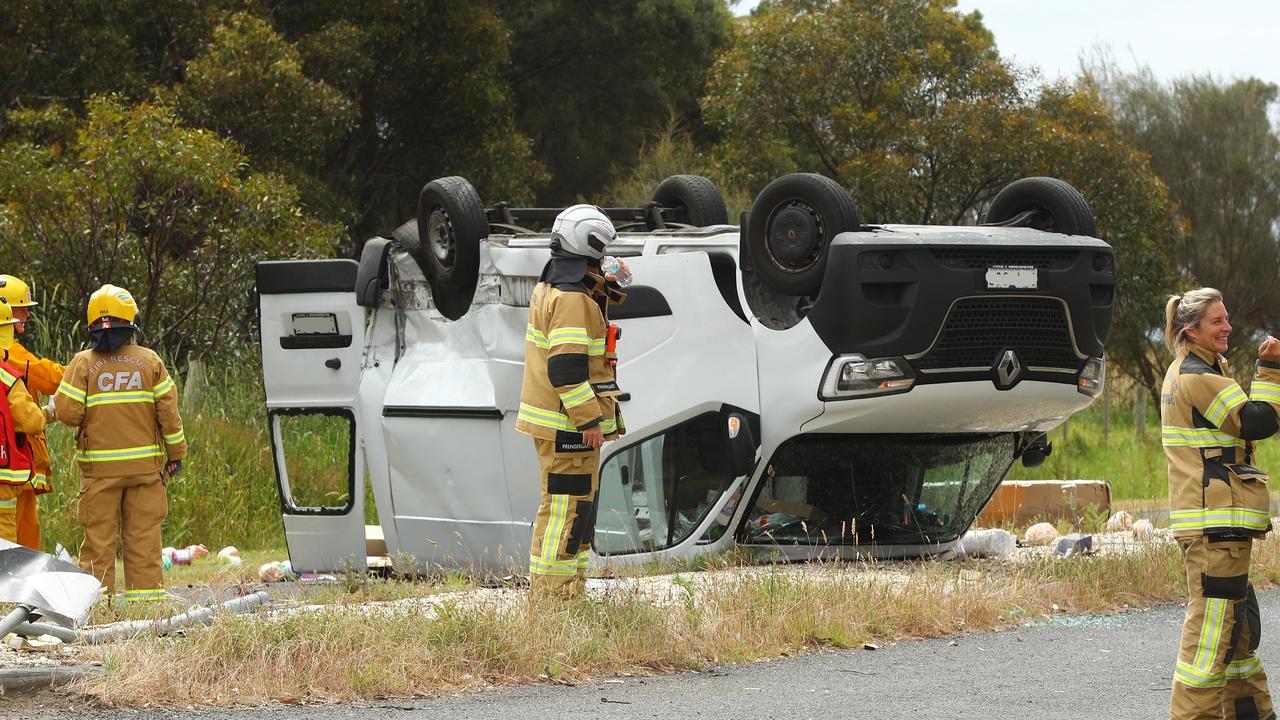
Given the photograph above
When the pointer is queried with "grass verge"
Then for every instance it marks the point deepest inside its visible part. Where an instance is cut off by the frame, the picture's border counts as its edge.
(692, 620)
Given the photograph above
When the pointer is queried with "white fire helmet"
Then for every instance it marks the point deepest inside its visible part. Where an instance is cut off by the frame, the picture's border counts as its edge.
(584, 230)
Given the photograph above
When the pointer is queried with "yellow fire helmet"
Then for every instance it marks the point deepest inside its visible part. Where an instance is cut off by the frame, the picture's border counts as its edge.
(7, 321)
(111, 302)
(15, 292)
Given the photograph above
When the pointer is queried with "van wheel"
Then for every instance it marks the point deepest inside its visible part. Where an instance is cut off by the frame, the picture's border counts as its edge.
(1050, 205)
(696, 200)
(789, 232)
(451, 224)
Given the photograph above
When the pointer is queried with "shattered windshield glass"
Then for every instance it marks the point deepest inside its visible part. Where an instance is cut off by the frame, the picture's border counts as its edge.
(884, 489)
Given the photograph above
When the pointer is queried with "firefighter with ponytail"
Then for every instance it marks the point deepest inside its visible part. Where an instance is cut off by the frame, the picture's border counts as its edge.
(129, 442)
(1219, 504)
(20, 417)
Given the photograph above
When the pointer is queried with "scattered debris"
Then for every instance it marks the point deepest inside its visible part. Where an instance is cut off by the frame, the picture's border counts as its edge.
(987, 543)
(1121, 520)
(1040, 534)
(1143, 530)
(1074, 544)
(229, 555)
(870, 646)
(276, 571)
(186, 555)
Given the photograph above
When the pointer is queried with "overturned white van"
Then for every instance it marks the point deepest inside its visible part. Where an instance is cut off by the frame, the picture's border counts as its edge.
(801, 384)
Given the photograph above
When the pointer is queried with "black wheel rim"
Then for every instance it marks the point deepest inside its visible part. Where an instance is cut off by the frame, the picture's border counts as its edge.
(794, 236)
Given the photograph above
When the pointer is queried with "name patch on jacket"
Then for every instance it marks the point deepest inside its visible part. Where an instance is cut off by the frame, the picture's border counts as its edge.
(568, 442)
(606, 389)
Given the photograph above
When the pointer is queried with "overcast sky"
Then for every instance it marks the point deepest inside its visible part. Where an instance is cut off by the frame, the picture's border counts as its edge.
(1228, 38)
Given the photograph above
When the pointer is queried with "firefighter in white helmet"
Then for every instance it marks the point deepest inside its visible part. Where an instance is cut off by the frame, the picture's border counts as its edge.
(568, 402)
(129, 443)
(1219, 504)
(41, 376)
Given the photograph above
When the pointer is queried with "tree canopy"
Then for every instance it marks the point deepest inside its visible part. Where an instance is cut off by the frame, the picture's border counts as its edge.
(908, 104)
(170, 212)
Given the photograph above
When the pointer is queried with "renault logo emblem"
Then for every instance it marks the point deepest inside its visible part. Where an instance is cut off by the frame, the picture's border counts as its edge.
(1008, 370)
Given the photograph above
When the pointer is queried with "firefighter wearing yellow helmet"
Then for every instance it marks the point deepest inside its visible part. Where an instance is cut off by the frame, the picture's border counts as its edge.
(21, 418)
(129, 443)
(42, 377)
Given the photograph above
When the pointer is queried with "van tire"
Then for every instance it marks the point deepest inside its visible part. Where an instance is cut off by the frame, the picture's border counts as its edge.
(696, 200)
(790, 229)
(451, 224)
(1054, 204)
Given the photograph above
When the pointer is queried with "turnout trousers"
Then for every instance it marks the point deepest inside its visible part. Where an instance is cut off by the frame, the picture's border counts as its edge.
(28, 519)
(134, 506)
(9, 510)
(1218, 675)
(566, 519)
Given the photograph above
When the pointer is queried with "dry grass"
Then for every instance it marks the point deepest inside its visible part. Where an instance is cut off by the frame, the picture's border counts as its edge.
(637, 625)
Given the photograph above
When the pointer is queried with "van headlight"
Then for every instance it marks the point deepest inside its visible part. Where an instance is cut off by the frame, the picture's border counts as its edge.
(1092, 376)
(855, 376)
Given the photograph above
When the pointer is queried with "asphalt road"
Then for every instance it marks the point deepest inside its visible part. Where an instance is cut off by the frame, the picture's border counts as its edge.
(1116, 666)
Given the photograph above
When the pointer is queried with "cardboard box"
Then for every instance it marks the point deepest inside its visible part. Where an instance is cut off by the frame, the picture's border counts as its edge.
(1022, 501)
(374, 544)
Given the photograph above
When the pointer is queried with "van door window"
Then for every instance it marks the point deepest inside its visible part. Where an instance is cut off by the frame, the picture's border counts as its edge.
(314, 455)
(655, 493)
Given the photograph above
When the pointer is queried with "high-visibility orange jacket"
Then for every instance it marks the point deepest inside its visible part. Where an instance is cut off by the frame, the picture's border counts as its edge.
(42, 376)
(1208, 428)
(126, 407)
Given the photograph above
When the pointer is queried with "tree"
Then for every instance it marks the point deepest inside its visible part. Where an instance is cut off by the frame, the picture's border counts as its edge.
(908, 104)
(248, 85)
(429, 80)
(1216, 148)
(66, 51)
(172, 213)
(591, 80)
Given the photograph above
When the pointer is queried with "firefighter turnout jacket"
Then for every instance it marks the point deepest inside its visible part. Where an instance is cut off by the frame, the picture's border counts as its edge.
(42, 377)
(570, 384)
(1208, 425)
(22, 419)
(126, 408)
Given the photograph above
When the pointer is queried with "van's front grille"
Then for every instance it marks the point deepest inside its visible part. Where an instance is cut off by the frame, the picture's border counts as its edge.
(963, 258)
(978, 330)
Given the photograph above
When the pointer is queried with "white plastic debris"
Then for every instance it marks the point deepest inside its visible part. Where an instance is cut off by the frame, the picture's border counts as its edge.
(1121, 520)
(226, 553)
(1143, 530)
(1041, 534)
(987, 543)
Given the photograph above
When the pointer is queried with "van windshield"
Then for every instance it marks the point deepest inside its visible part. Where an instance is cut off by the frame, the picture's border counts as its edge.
(881, 489)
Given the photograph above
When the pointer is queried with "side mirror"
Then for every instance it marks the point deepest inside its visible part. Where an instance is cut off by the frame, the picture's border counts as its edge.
(742, 445)
(1034, 455)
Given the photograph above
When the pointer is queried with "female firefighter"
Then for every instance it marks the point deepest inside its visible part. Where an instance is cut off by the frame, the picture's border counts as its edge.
(1218, 504)
(129, 442)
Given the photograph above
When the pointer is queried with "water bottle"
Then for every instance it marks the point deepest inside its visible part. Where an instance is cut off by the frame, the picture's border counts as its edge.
(611, 267)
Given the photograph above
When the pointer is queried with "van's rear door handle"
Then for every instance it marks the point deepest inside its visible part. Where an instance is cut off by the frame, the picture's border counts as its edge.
(334, 363)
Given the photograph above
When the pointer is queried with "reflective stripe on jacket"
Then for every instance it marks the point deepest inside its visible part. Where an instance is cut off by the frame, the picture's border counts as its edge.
(126, 407)
(42, 377)
(1208, 424)
(569, 385)
(21, 417)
